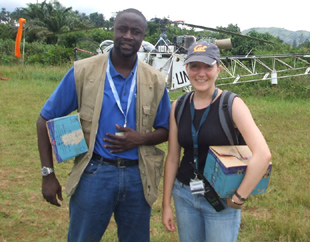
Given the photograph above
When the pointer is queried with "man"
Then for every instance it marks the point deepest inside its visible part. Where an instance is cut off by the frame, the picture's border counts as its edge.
(124, 111)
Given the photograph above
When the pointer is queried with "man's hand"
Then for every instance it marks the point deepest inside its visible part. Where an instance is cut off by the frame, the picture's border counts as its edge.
(120, 143)
(50, 189)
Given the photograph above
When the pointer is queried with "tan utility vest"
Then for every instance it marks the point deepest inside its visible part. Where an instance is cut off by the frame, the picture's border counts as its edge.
(89, 77)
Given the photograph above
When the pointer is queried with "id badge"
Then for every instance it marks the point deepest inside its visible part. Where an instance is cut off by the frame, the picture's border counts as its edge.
(119, 133)
(197, 187)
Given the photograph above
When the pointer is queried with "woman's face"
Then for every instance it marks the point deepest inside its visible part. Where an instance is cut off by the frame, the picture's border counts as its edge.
(201, 75)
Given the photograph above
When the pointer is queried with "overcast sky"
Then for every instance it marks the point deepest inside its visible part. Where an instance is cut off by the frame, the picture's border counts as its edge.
(291, 15)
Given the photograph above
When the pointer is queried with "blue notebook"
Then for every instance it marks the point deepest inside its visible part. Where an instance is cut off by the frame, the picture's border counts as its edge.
(66, 137)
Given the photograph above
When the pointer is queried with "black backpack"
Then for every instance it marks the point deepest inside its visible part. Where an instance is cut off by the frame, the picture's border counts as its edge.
(225, 115)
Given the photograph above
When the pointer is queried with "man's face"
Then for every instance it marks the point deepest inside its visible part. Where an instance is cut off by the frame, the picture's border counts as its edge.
(129, 31)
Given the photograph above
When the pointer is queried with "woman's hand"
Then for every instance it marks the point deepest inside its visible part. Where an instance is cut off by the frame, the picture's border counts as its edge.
(167, 219)
(231, 202)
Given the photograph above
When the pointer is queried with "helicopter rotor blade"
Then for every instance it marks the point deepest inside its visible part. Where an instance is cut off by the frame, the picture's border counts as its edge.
(225, 32)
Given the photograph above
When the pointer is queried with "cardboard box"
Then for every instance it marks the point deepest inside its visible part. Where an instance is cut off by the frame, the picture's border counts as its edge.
(225, 168)
(66, 137)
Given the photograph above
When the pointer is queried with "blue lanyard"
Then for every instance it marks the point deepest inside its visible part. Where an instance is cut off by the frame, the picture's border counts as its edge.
(194, 132)
(116, 96)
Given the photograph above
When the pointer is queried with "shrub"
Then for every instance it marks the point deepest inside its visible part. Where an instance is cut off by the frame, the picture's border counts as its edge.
(45, 54)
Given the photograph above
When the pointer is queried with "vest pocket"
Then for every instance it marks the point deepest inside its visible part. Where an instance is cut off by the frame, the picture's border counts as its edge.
(86, 116)
(154, 166)
(146, 115)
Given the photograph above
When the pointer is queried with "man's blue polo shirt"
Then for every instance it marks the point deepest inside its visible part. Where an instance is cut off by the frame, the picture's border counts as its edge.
(63, 101)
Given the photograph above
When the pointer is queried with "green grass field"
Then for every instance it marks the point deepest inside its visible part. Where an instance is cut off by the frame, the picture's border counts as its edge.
(282, 113)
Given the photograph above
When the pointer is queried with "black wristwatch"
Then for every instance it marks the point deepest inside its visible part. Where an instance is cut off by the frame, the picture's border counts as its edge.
(45, 171)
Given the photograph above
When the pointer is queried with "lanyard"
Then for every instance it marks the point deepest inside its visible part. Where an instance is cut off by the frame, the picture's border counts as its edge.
(116, 96)
(194, 132)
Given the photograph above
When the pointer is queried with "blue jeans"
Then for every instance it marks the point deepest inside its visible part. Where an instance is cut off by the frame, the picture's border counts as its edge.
(198, 221)
(102, 191)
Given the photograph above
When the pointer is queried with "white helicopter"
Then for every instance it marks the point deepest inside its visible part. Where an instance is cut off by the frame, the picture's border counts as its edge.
(167, 56)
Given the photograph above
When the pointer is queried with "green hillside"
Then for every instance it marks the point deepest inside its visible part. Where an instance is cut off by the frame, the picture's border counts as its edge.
(294, 38)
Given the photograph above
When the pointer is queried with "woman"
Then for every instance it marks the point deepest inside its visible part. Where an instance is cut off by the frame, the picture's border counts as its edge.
(197, 220)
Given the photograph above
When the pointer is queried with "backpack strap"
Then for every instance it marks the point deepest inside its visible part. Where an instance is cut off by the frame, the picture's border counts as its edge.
(225, 116)
(179, 107)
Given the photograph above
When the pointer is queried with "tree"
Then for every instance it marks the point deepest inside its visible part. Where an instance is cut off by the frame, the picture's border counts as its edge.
(301, 39)
(109, 23)
(16, 14)
(4, 16)
(96, 19)
(8, 25)
(46, 20)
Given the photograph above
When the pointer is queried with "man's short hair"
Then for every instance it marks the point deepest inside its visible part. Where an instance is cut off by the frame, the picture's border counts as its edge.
(132, 10)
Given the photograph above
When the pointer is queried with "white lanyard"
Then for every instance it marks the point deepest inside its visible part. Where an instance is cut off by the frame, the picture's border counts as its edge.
(115, 94)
